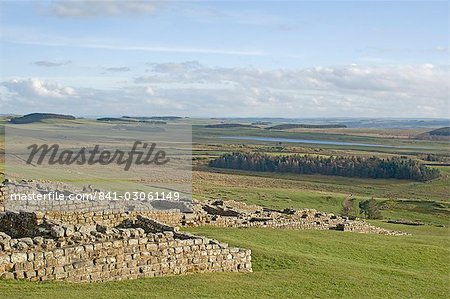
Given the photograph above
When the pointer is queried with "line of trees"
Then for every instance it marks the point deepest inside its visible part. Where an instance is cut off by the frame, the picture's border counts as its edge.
(373, 167)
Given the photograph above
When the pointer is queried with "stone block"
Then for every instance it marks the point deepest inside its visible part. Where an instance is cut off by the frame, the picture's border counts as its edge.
(19, 257)
(5, 259)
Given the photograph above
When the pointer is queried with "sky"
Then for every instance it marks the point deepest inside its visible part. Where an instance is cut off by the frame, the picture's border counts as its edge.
(226, 58)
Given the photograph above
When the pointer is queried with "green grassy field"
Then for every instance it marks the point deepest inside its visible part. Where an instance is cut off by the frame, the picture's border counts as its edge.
(401, 199)
(304, 264)
(291, 264)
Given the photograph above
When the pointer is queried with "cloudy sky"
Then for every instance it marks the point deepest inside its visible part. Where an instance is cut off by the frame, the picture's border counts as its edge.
(230, 58)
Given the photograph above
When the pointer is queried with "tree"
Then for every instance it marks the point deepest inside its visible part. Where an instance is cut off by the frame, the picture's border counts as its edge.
(373, 167)
(370, 209)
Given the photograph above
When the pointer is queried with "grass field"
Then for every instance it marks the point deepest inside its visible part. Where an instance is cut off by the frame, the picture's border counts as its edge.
(305, 264)
(291, 264)
(402, 199)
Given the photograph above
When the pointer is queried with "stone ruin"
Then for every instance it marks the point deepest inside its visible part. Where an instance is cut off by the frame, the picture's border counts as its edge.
(40, 249)
(237, 214)
(29, 187)
(103, 245)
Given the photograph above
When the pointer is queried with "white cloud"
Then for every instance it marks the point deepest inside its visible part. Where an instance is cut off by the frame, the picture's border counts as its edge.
(150, 91)
(38, 88)
(46, 63)
(436, 50)
(117, 69)
(425, 80)
(192, 89)
(94, 8)
(399, 90)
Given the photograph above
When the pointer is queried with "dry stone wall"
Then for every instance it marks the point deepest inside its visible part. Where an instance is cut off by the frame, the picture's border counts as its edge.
(62, 197)
(237, 214)
(137, 248)
(111, 218)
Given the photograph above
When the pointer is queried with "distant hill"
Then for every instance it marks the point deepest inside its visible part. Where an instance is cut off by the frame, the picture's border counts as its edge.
(35, 117)
(306, 126)
(147, 129)
(228, 126)
(153, 117)
(261, 123)
(116, 119)
(445, 131)
(130, 120)
(436, 134)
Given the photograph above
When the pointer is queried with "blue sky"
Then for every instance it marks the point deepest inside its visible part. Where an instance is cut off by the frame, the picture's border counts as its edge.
(229, 58)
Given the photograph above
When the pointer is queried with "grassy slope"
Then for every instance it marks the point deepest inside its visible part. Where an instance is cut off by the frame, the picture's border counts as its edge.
(393, 189)
(291, 264)
(427, 202)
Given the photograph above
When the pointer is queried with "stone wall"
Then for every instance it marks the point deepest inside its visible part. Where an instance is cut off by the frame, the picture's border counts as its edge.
(222, 214)
(237, 214)
(363, 227)
(65, 197)
(111, 218)
(137, 248)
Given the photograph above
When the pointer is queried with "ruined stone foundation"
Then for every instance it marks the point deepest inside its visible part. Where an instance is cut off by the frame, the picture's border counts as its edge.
(43, 249)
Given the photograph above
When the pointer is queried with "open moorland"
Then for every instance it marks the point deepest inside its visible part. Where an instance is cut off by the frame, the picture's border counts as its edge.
(305, 263)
